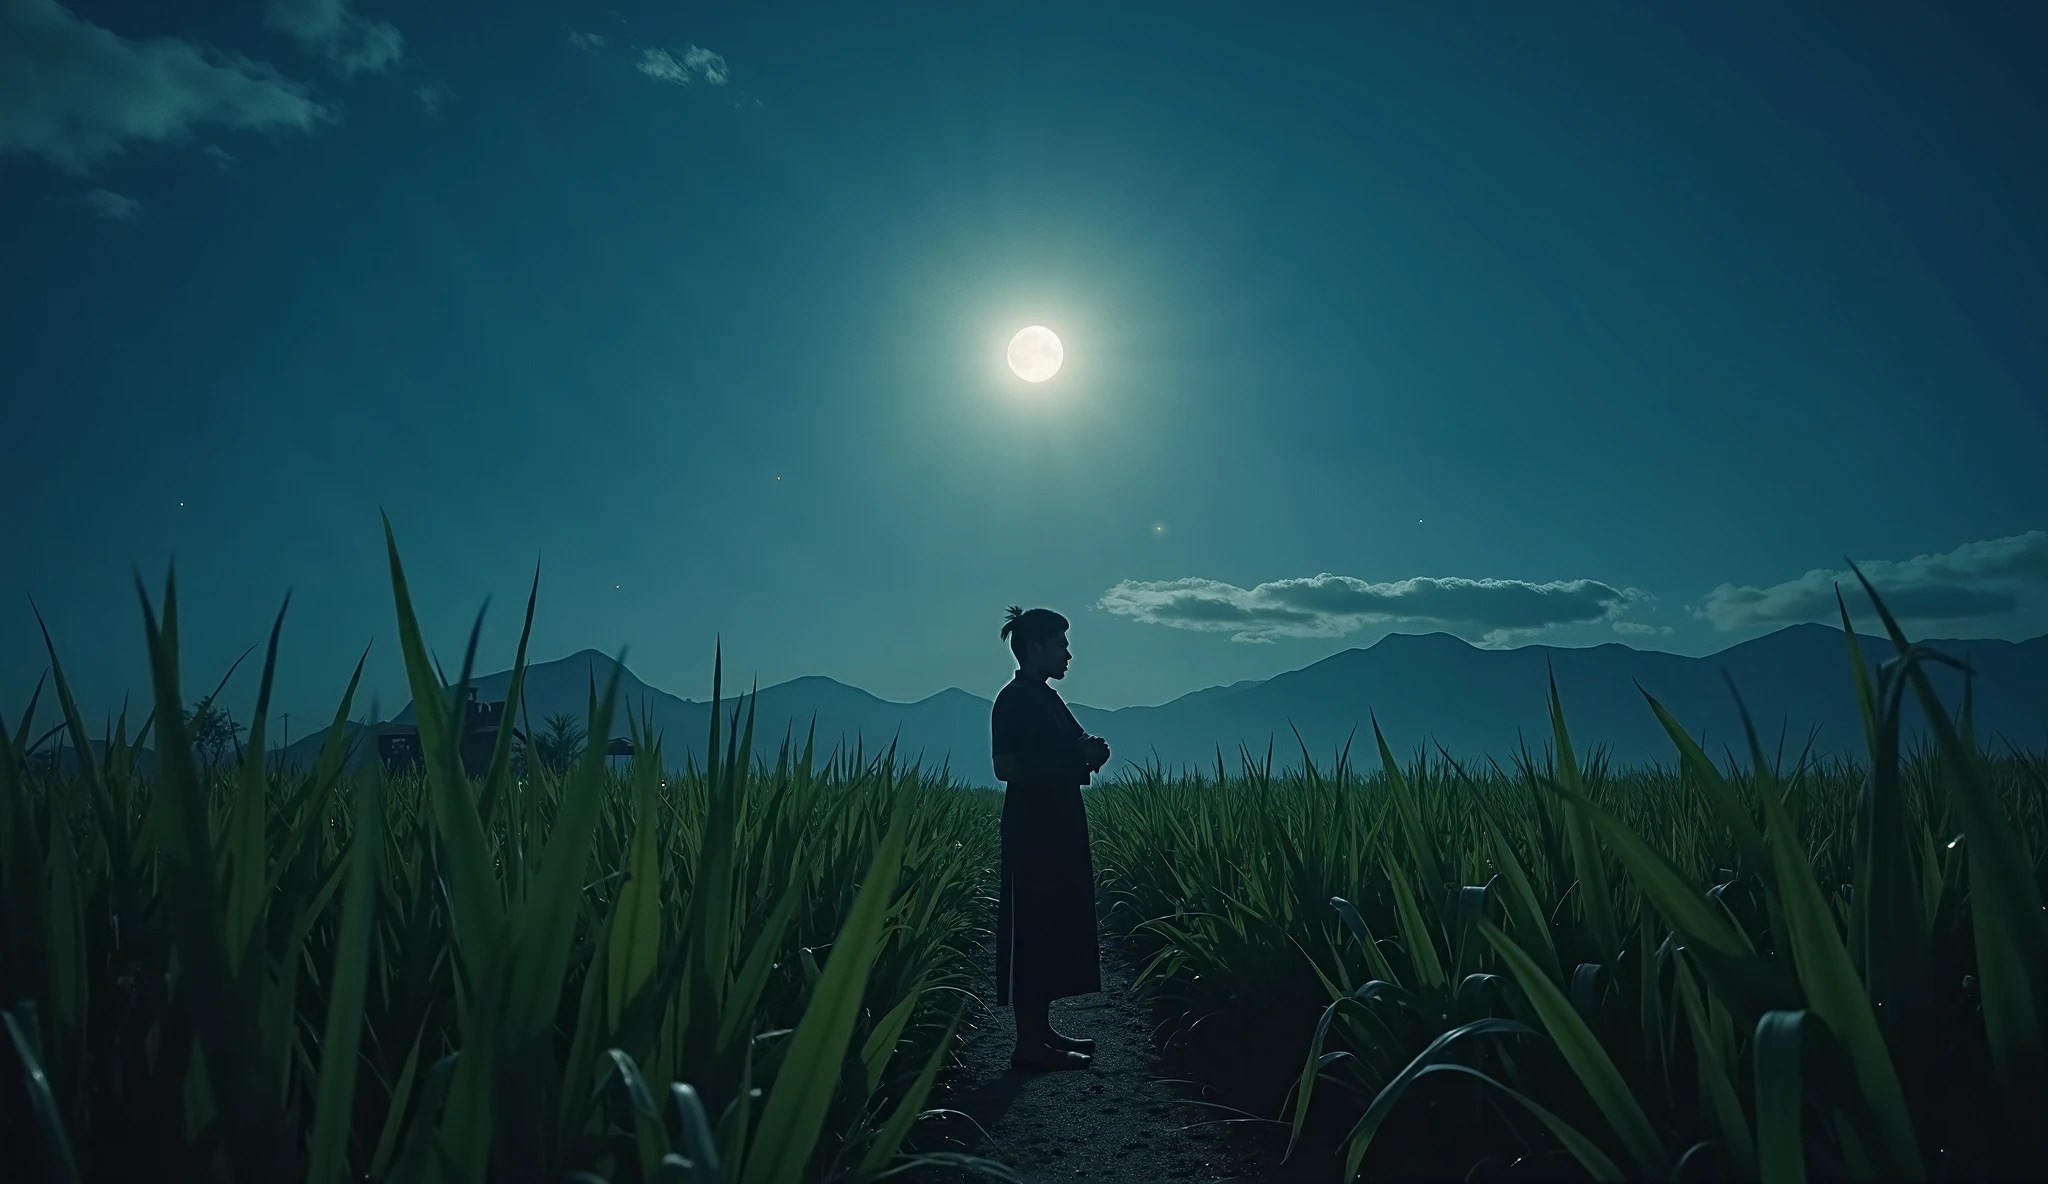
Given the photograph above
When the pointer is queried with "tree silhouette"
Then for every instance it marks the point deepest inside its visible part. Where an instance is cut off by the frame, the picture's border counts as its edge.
(214, 733)
(562, 741)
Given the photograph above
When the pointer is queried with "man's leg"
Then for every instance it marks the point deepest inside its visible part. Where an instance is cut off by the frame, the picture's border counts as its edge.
(1034, 1022)
(1037, 1046)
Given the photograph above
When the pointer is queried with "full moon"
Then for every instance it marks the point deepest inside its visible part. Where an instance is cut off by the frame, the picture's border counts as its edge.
(1035, 353)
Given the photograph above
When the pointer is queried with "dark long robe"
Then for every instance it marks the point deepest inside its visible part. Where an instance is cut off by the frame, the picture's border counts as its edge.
(1045, 915)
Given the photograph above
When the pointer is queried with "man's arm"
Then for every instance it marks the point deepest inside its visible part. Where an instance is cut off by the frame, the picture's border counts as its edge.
(1009, 737)
(1011, 767)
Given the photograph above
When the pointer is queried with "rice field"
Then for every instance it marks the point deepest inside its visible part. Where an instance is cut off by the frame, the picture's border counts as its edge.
(749, 972)
(752, 971)
(1757, 969)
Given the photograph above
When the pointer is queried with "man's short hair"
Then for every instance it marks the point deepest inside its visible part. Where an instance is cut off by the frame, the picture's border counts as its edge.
(1038, 624)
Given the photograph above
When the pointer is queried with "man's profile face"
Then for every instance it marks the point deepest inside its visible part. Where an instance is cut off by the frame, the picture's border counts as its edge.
(1051, 656)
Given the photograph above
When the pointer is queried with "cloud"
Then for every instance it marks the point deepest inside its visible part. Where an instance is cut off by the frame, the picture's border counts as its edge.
(710, 65)
(1983, 579)
(657, 64)
(1332, 606)
(1640, 629)
(75, 93)
(326, 27)
(697, 62)
(431, 97)
(218, 155)
(587, 42)
(112, 206)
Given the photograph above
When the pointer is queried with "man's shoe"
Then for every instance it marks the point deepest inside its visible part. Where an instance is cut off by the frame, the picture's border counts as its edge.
(1046, 1059)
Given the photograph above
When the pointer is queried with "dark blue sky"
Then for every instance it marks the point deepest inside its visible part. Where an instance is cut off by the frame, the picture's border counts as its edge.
(1559, 323)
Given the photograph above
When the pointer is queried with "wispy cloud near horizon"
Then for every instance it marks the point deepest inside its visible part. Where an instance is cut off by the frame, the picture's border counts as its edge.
(1990, 578)
(1493, 610)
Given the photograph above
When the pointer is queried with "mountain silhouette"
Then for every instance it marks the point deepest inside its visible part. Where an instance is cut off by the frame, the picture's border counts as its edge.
(1426, 689)
(1436, 689)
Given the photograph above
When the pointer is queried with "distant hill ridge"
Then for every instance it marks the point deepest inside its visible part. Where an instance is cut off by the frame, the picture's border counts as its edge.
(1423, 689)
(1428, 688)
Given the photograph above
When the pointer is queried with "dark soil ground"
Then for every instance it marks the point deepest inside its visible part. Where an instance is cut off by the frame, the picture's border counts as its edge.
(1136, 1116)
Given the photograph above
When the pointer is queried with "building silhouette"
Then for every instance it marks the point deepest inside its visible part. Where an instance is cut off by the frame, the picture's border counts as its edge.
(398, 745)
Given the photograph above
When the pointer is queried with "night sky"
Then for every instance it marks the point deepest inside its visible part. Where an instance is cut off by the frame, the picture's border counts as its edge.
(1560, 323)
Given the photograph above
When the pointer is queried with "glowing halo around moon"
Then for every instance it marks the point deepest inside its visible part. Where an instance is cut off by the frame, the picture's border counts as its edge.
(1036, 353)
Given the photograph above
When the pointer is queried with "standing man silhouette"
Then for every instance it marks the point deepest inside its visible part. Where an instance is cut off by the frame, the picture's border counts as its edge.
(1045, 916)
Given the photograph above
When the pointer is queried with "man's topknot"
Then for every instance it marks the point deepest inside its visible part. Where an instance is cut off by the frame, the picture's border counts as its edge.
(1022, 626)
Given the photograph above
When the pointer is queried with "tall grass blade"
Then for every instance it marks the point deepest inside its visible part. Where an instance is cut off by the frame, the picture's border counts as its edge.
(1781, 1150)
(1834, 994)
(880, 1046)
(1420, 844)
(1359, 1138)
(1524, 910)
(1720, 795)
(474, 894)
(1588, 1059)
(1375, 958)
(1596, 894)
(1683, 907)
(1859, 672)
(69, 955)
(1415, 933)
(63, 1168)
(1583, 1149)
(2011, 1022)
(890, 1138)
(248, 874)
(26, 900)
(217, 1003)
(548, 916)
(2005, 897)
(1717, 1083)
(634, 940)
(795, 1111)
(334, 1107)
(498, 778)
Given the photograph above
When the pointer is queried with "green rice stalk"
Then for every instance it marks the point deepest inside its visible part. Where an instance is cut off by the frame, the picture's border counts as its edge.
(335, 1104)
(1834, 994)
(1587, 1057)
(1596, 894)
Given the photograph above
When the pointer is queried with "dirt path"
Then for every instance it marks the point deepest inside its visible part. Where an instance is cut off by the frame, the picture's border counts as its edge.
(1126, 1119)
